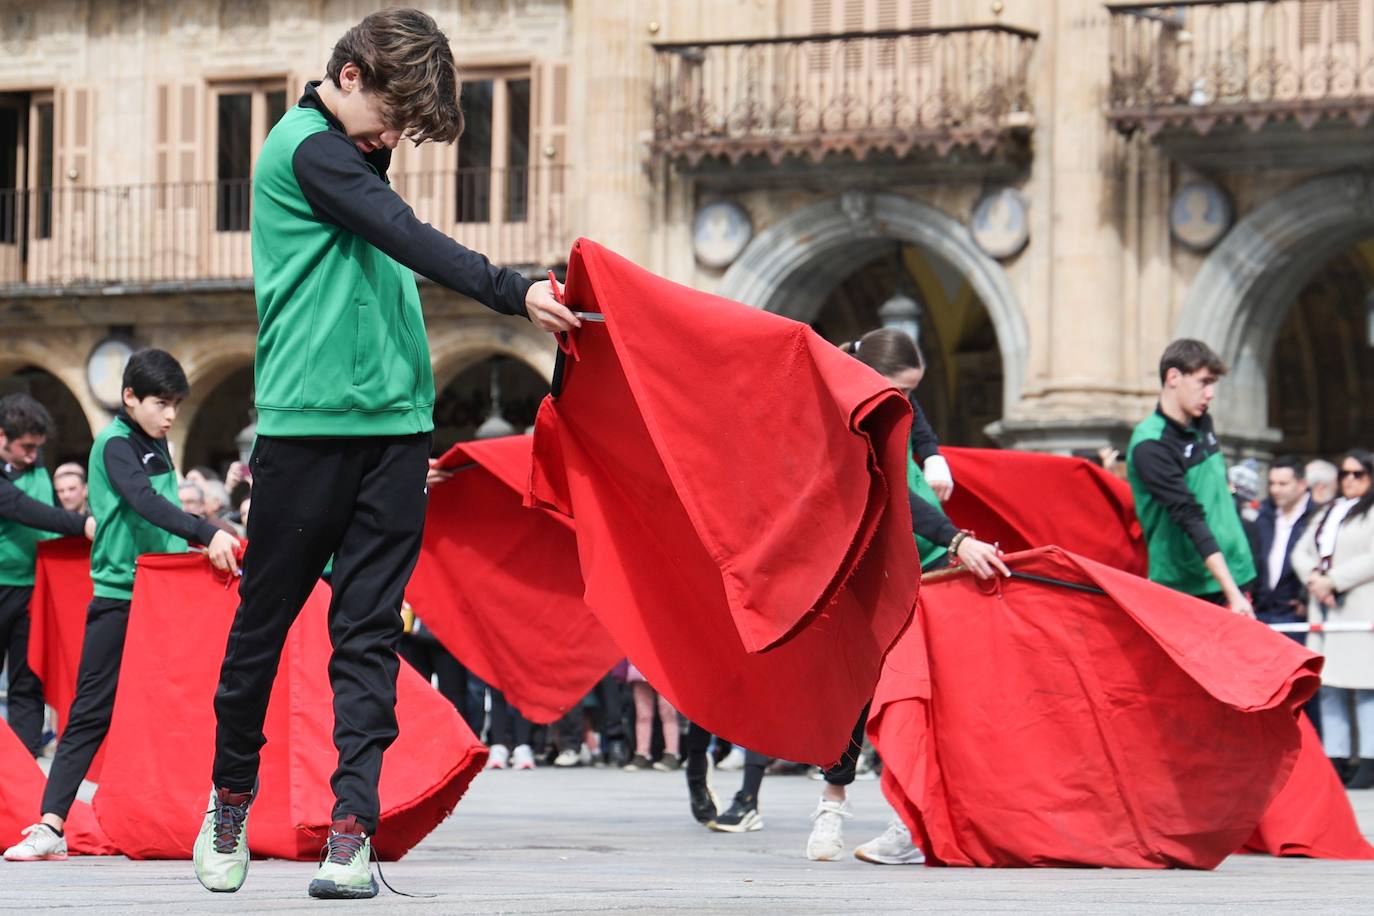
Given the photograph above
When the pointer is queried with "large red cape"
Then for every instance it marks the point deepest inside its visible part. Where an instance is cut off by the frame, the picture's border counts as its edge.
(500, 586)
(1042, 725)
(1023, 500)
(156, 780)
(21, 795)
(738, 491)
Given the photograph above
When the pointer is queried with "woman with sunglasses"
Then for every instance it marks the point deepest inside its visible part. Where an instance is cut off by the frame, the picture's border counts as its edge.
(1336, 559)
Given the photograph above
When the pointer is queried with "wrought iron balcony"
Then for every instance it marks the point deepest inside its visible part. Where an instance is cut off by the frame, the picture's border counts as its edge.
(858, 92)
(196, 233)
(1194, 65)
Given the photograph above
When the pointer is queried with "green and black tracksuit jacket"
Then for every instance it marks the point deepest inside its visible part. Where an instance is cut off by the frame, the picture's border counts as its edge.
(1185, 505)
(27, 516)
(133, 496)
(342, 349)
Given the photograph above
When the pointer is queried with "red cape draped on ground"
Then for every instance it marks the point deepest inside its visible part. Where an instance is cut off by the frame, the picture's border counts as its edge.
(21, 795)
(1024, 500)
(500, 587)
(738, 490)
(61, 592)
(156, 781)
(1047, 726)
(1312, 815)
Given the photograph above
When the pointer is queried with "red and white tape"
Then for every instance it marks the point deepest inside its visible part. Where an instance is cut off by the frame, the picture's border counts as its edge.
(1340, 627)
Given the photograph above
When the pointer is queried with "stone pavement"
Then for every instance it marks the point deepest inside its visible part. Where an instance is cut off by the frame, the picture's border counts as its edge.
(598, 841)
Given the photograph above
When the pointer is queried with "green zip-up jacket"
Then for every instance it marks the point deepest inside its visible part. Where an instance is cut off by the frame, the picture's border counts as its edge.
(27, 516)
(342, 349)
(133, 495)
(1185, 506)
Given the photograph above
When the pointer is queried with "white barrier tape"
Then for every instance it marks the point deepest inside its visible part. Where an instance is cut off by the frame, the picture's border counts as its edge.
(1346, 627)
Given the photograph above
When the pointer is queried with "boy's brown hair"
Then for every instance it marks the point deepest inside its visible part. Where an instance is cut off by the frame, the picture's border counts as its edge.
(405, 60)
(1188, 356)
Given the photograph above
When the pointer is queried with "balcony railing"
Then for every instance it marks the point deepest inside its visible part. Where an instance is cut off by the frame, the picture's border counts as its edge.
(1200, 63)
(858, 92)
(198, 232)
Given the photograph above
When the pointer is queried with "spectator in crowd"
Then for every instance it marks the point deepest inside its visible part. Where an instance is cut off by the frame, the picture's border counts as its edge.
(243, 511)
(508, 734)
(1321, 482)
(1244, 479)
(201, 475)
(595, 729)
(192, 498)
(645, 699)
(1335, 557)
(1282, 520)
(215, 501)
(69, 483)
(1193, 532)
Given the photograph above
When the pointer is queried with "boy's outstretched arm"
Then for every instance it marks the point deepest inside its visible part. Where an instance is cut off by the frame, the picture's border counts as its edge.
(343, 189)
(19, 506)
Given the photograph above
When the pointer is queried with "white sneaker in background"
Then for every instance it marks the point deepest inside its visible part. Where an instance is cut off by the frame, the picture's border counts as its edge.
(498, 757)
(827, 830)
(522, 758)
(40, 844)
(567, 758)
(894, 847)
(732, 761)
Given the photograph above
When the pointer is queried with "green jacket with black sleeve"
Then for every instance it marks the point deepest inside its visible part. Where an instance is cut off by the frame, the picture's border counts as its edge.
(1184, 504)
(342, 349)
(27, 516)
(133, 494)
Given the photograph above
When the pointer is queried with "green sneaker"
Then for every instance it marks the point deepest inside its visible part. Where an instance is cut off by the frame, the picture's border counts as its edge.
(345, 864)
(221, 851)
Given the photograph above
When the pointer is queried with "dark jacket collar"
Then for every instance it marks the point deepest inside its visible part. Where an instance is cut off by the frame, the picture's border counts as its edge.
(1195, 428)
(379, 159)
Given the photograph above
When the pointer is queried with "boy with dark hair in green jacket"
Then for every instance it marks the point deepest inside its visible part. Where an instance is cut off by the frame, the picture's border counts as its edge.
(345, 398)
(27, 516)
(133, 490)
(1192, 530)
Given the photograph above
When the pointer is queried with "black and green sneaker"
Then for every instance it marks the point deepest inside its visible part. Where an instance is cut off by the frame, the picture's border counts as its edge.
(345, 864)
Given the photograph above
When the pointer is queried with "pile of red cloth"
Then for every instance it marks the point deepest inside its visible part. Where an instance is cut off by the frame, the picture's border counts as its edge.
(1090, 717)
(737, 486)
(500, 587)
(155, 783)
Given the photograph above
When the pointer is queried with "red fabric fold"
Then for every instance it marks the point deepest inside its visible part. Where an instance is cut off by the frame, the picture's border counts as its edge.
(156, 780)
(1041, 725)
(1312, 815)
(61, 592)
(738, 491)
(21, 796)
(500, 586)
(1024, 500)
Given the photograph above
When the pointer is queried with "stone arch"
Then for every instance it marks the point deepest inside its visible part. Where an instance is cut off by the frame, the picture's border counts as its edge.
(65, 360)
(465, 343)
(791, 267)
(1245, 287)
(208, 359)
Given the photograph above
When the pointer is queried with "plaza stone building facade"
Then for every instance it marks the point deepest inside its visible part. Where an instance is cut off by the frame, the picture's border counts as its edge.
(1046, 191)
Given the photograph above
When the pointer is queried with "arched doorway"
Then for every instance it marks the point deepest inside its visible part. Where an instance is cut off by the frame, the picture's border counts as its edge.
(1284, 299)
(1321, 374)
(71, 437)
(834, 263)
(464, 403)
(217, 417)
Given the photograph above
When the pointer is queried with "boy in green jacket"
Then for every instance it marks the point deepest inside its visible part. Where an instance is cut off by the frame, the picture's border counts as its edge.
(1192, 530)
(27, 516)
(133, 489)
(345, 398)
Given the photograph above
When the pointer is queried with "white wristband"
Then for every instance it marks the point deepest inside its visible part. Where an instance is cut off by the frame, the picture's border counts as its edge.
(937, 469)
